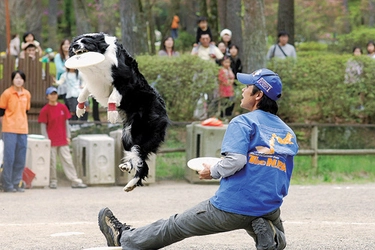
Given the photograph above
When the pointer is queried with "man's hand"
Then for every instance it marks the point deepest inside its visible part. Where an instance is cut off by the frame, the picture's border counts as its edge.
(205, 173)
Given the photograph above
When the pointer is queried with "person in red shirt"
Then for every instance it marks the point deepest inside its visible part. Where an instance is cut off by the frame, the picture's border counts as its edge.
(226, 89)
(53, 119)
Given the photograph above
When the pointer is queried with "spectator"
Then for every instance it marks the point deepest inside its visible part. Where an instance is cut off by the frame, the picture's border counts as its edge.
(371, 49)
(226, 90)
(226, 37)
(28, 38)
(203, 28)
(14, 46)
(60, 59)
(174, 26)
(30, 51)
(14, 103)
(282, 49)
(353, 72)
(222, 48)
(53, 119)
(207, 51)
(48, 56)
(236, 64)
(74, 84)
(168, 48)
(258, 152)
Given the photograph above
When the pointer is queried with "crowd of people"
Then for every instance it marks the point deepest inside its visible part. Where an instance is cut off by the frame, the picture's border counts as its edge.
(15, 101)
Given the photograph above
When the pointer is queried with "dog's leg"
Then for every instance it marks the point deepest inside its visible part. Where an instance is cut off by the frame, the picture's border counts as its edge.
(113, 101)
(131, 160)
(82, 98)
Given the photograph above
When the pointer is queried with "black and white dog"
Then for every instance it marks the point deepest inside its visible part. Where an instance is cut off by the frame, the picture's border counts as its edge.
(117, 84)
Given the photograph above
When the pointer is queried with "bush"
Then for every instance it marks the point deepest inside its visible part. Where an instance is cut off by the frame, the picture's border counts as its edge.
(314, 90)
(358, 37)
(179, 80)
(184, 42)
(312, 46)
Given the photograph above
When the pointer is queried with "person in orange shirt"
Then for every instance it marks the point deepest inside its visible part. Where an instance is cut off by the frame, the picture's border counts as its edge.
(174, 26)
(14, 103)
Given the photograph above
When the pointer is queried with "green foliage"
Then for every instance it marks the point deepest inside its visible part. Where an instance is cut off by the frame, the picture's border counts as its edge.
(184, 42)
(358, 37)
(334, 169)
(179, 80)
(314, 90)
(312, 46)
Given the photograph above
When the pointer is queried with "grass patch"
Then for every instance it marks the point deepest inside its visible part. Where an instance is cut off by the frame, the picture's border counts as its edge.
(334, 169)
(170, 166)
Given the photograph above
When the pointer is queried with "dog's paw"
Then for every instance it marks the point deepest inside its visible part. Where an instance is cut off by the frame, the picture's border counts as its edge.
(131, 184)
(126, 166)
(112, 116)
(80, 112)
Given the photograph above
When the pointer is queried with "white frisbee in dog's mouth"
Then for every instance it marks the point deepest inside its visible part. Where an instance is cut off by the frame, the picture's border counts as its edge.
(84, 60)
(197, 163)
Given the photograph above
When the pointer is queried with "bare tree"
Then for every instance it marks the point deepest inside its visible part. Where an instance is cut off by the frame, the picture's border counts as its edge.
(151, 25)
(82, 19)
(255, 37)
(52, 24)
(371, 21)
(213, 20)
(133, 29)
(234, 22)
(33, 18)
(188, 17)
(222, 13)
(285, 20)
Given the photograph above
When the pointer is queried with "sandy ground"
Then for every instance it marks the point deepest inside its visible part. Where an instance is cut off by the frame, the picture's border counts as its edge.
(316, 217)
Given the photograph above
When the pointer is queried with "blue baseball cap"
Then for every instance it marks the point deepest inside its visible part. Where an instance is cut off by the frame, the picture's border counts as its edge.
(266, 80)
(50, 90)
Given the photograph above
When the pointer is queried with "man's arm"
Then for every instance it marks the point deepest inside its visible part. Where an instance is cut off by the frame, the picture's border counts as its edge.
(228, 166)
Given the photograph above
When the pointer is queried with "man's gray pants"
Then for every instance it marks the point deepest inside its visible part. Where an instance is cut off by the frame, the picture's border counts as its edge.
(203, 219)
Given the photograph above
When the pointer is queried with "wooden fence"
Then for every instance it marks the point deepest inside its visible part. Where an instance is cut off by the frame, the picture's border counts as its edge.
(315, 151)
(38, 78)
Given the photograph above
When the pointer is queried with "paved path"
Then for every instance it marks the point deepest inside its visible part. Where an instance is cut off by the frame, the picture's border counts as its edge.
(316, 217)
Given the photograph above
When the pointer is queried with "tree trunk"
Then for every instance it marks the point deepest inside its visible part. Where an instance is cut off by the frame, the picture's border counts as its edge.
(255, 37)
(33, 19)
(188, 18)
(151, 26)
(285, 20)
(234, 22)
(222, 13)
(213, 20)
(52, 24)
(371, 20)
(83, 25)
(347, 27)
(133, 31)
(174, 10)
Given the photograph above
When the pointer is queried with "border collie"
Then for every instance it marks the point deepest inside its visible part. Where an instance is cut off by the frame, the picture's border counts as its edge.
(117, 84)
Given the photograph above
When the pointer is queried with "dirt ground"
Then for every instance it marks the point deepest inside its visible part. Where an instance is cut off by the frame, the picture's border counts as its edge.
(316, 216)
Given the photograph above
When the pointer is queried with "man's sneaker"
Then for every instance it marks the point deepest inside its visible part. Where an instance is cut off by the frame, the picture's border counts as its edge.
(53, 185)
(265, 232)
(111, 227)
(79, 185)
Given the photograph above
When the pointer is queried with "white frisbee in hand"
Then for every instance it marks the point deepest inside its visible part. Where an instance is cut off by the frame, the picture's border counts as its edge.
(84, 60)
(197, 163)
